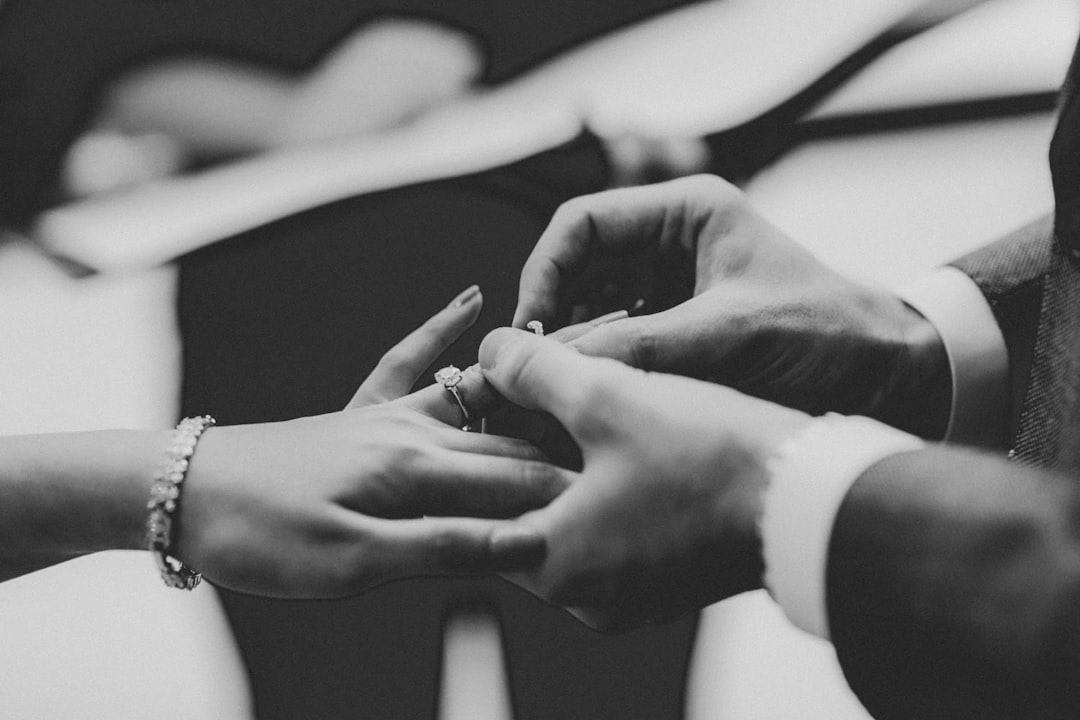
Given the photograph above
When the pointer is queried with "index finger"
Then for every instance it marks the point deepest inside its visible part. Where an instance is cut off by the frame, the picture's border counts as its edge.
(626, 217)
(559, 254)
(399, 368)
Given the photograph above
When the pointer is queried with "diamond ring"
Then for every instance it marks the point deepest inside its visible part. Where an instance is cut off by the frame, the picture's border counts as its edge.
(450, 377)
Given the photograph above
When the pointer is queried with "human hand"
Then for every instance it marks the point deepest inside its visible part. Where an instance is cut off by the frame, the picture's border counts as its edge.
(729, 298)
(499, 417)
(663, 517)
(332, 505)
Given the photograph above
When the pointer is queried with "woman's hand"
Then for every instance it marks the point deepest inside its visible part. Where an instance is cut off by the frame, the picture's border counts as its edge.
(332, 505)
(723, 295)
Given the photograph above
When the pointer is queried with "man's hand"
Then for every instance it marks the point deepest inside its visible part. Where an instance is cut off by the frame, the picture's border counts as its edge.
(663, 517)
(721, 294)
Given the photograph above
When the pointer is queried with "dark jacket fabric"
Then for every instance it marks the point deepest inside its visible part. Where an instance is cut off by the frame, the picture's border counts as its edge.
(953, 581)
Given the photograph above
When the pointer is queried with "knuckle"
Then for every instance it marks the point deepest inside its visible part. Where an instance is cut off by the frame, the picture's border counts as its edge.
(402, 460)
(455, 550)
(394, 359)
(712, 187)
(643, 347)
(435, 327)
(571, 210)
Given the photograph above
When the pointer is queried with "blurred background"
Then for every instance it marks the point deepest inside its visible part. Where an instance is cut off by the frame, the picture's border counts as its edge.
(236, 207)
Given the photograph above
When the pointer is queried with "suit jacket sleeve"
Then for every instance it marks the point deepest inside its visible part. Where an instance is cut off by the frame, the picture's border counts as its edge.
(953, 588)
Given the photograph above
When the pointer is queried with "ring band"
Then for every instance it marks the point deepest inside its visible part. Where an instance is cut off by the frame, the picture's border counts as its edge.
(536, 326)
(450, 377)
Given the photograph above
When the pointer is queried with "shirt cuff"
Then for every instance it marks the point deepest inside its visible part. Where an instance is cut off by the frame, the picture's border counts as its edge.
(809, 479)
(978, 359)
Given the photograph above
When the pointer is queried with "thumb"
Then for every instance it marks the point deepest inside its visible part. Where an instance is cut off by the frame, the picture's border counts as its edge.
(538, 373)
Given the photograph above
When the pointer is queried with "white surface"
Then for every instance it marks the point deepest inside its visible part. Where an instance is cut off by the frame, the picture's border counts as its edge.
(711, 66)
(749, 663)
(100, 352)
(887, 206)
(998, 49)
(101, 637)
(703, 68)
(474, 684)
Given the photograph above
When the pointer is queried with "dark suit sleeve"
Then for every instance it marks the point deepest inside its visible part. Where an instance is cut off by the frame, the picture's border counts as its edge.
(953, 589)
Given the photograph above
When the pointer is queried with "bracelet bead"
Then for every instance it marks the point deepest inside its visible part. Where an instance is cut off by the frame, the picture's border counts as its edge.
(164, 500)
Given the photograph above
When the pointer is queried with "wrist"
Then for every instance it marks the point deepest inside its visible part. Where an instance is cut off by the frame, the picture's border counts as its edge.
(71, 494)
(123, 463)
(919, 399)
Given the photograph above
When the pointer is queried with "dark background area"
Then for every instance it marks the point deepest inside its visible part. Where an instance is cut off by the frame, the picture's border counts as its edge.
(286, 320)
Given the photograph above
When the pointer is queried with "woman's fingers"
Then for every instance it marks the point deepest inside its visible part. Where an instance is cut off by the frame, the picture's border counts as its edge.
(571, 333)
(482, 444)
(400, 367)
(476, 395)
(437, 546)
(473, 485)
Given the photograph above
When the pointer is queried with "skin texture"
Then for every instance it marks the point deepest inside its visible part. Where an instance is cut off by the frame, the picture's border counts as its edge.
(720, 294)
(662, 518)
(324, 506)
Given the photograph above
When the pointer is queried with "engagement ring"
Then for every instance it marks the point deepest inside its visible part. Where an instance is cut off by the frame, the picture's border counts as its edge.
(450, 377)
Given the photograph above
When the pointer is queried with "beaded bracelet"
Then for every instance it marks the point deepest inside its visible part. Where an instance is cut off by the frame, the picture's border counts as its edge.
(164, 498)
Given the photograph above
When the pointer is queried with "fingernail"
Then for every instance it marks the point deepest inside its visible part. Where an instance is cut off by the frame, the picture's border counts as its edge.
(610, 317)
(466, 296)
(515, 547)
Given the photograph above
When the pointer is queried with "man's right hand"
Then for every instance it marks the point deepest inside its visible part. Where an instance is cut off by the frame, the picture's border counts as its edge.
(728, 297)
(663, 516)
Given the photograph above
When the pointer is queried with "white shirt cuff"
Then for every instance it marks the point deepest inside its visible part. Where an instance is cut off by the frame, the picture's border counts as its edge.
(978, 359)
(809, 479)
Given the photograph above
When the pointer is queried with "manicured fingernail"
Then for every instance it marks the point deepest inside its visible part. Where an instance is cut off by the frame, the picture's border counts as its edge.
(466, 296)
(515, 547)
(610, 317)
